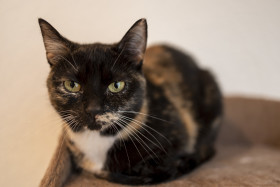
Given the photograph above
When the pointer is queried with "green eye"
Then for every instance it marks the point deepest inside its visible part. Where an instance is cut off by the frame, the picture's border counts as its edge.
(116, 86)
(72, 86)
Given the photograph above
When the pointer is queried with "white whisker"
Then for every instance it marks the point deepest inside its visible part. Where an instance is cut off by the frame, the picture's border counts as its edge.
(121, 138)
(74, 61)
(149, 128)
(118, 57)
(69, 62)
(154, 117)
(135, 122)
(135, 135)
(131, 141)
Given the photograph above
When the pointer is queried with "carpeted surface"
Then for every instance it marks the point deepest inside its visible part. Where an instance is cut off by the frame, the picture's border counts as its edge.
(248, 150)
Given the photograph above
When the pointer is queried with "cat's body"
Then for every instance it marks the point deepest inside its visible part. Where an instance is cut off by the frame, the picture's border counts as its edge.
(161, 125)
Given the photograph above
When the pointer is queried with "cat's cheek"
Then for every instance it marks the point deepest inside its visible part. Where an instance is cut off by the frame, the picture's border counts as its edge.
(127, 106)
(60, 100)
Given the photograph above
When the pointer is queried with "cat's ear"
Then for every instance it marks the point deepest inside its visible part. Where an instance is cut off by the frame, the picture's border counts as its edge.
(56, 45)
(134, 42)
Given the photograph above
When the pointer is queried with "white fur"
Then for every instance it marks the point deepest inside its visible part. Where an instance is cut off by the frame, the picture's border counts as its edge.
(94, 146)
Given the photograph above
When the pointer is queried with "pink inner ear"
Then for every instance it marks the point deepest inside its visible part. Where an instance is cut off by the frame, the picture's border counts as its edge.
(50, 55)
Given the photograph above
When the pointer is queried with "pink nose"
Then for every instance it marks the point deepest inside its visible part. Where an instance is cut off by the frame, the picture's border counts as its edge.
(96, 116)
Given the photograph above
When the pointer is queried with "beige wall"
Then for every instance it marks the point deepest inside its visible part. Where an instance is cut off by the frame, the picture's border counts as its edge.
(238, 39)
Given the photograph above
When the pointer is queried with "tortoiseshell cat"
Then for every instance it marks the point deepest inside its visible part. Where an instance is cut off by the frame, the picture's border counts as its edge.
(133, 116)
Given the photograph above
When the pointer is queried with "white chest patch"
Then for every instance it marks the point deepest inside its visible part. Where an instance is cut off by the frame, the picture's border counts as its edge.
(94, 147)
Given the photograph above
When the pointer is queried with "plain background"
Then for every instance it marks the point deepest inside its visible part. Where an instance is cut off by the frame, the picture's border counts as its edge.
(238, 40)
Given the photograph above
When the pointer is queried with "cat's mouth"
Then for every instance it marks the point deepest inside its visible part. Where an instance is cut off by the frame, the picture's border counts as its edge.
(101, 127)
(94, 126)
(102, 121)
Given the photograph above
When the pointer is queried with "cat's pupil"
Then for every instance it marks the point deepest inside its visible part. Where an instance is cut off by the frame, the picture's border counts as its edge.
(72, 84)
(116, 85)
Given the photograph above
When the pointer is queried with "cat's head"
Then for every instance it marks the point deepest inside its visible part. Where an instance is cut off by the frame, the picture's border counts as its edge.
(91, 85)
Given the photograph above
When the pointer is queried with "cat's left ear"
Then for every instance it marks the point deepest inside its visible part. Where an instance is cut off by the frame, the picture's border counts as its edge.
(134, 42)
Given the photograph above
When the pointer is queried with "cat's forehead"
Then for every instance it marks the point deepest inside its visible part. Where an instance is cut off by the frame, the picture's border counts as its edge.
(98, 53)
(98, 61)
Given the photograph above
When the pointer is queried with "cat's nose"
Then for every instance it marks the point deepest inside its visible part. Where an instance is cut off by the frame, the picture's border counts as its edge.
(93, 113)
(93, 109)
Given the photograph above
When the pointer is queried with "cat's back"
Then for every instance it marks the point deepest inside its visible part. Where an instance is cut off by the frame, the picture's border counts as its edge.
(167, 66)
(180, 78)
(192, 92)
(175, 74)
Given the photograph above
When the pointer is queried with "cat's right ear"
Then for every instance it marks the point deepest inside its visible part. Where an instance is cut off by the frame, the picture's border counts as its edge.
(56, 45)
(134, 42)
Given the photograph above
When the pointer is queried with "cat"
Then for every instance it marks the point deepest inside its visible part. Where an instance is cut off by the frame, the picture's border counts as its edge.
(132, 116)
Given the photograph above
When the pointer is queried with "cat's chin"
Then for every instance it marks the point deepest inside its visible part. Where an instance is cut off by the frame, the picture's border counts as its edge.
(94, 127)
